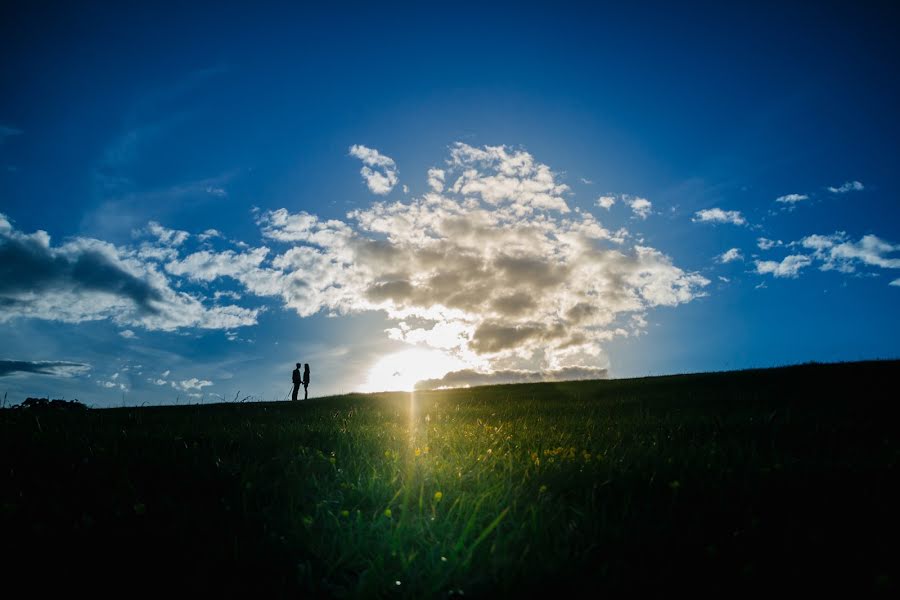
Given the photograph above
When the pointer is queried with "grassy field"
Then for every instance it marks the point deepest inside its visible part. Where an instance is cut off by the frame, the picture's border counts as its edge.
(766, 480)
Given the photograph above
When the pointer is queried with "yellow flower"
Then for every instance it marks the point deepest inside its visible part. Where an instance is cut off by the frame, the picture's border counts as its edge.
(418, 451)
(438, 496)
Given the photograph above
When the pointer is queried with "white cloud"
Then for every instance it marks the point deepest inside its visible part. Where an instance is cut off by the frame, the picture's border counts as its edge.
(497, 270)
(838, 252)
(847, 186)
(436, 179)
(379, 171)
(127, 334)
(641, 207)
(791, 198)
(895, 283)
(790, 266)
(730, 256)
(191, 384)
(717, 215)
(767, 244)
(167, 237)
(586, 181)
(86, 279)
(157, 381)
(606, 201)
(208, 235)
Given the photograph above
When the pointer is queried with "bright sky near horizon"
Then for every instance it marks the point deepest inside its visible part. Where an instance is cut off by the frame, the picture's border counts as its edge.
(193, 200)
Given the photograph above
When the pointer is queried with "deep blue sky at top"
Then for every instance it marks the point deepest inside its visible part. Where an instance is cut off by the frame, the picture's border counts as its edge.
(703, 105)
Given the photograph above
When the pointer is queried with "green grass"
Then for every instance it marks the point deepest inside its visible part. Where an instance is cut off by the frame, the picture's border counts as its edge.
(727, 483)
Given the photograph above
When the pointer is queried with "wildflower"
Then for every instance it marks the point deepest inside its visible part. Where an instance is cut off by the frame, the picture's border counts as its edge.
(418, 451)
(425, 449)
(438, 496)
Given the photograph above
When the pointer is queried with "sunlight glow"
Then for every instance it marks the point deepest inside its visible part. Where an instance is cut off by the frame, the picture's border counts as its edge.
(401, 370)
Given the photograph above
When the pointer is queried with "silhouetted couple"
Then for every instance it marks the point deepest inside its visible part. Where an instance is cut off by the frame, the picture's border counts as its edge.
(300, 379)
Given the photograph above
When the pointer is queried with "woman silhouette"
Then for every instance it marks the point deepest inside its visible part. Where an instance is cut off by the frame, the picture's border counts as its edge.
(305, 380)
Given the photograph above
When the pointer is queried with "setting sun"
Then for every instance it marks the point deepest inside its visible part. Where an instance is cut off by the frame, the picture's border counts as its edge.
(401, 370)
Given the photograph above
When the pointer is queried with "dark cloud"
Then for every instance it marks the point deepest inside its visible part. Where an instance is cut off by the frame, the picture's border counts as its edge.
(42, 367)
(469, 377)
(28, 266)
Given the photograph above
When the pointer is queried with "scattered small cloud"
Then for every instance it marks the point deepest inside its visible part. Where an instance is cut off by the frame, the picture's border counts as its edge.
(791, 198)
(379, 171)
(641, 207)
(127, 334)
(717, 215)
(730, 256)
(208, 235)
(606, 201)
(895, 283)
(586, 181)
(191, 384)
(789, 267)
(847, 186)
(767, 244)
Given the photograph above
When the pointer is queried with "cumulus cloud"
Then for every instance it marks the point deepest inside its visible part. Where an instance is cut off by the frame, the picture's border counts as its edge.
(193, 383)
(767, 244)
(470, 378)
(56, 368)
(895, 283)
(496, 269)
(127, 334)
(717, 215)
(847, 186)
(86, 279)
(641, 207)
(379, 171)
(436, 179)
(790, 266)
(791, 198)
(606, 201)
(838, 252)
(730, 256)
(835, 252)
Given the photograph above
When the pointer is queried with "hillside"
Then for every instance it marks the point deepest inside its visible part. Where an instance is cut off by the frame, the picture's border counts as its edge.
(714, 483)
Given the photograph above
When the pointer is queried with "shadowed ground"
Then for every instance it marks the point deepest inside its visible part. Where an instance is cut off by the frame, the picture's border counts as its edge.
(726, 482)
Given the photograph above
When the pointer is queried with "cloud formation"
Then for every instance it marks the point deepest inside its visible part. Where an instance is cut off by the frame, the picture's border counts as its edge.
(730, 256)
(606, 201)
(791, 198)
(379, 171)
(496, 269)
(847, 186)
(717, 215)
(835, 252)
(471, 378)
(789, 267)
(641, 207)
(85, 279)
(55, 368)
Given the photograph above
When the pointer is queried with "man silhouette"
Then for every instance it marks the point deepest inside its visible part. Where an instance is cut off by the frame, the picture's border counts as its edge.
(297, 379)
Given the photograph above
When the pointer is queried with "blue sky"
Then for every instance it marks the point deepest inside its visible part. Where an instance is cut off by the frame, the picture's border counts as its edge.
(622, 191)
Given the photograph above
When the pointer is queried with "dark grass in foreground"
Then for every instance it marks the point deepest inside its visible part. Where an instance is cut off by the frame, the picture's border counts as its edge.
(756, 480)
